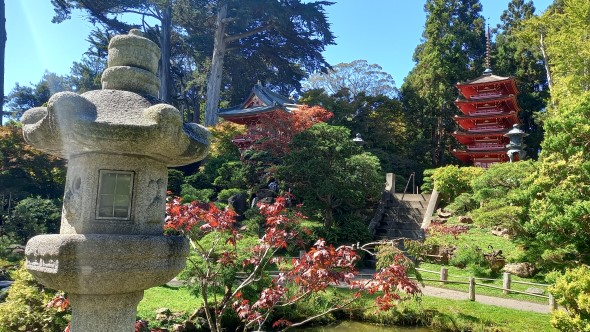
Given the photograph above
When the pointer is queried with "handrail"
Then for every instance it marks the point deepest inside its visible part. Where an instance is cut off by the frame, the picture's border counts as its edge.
(413, 178)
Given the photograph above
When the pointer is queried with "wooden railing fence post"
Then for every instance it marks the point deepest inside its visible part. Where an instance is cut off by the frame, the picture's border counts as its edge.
(471, 288)
(444, 275)
(552, 302)
(506, 283)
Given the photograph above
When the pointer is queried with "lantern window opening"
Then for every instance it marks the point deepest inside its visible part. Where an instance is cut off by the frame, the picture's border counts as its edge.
(114, 195)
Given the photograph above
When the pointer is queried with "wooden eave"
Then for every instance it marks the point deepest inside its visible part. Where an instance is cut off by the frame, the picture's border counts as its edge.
(490, 106)
(485, 88)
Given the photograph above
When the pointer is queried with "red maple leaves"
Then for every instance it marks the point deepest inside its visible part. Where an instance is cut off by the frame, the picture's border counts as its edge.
(322, 266)
(274, 131)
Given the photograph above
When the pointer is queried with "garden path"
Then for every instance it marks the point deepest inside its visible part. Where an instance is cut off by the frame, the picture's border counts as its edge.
(490, 300)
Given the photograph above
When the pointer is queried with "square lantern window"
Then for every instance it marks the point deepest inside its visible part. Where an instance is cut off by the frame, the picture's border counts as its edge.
(114, 195)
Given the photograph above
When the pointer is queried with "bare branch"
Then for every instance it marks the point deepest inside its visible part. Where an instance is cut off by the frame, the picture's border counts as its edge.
(230, 38)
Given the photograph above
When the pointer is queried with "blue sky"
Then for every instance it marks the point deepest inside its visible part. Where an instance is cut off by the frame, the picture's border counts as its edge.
(384, 32)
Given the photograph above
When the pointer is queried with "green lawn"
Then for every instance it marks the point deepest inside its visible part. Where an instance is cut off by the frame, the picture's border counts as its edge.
(177, 299)
(451, 313)
(457, 274)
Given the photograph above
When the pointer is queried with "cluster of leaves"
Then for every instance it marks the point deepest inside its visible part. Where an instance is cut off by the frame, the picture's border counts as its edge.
(323, 265)
(329, 172)
(25, 171)
(31, 307)
(571, 291)
(451, 181)
(274, 132)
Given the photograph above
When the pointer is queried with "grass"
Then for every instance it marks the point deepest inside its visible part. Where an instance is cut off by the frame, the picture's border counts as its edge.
(444, 314)
(457, 274)
(481, 316)
(177, 299)
(483, 239)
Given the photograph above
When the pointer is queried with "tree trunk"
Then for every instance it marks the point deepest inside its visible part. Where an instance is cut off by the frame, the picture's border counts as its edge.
(165, 34)
(546, 63)
(2, 54)
(196, 110)
(214, 79)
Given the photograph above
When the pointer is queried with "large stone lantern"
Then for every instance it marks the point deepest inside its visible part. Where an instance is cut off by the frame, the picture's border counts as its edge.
(118, 142)
(516, 145)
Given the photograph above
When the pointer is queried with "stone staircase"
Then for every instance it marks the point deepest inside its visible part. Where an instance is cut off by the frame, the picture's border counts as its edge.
(400, 216)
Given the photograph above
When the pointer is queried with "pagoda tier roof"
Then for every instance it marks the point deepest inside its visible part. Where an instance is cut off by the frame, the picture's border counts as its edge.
(260, 101)
(494, 105)
(469, 138)
(487, 123)
(486, 86)
(486, 156)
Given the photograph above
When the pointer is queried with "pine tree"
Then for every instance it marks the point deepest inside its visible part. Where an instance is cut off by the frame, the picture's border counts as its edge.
(452, 50)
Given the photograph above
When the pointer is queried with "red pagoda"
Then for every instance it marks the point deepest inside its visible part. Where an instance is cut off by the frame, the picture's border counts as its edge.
(261, 102)
(490, 111)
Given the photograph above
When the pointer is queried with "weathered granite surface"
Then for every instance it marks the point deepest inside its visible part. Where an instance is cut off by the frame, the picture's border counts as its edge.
(118, 142)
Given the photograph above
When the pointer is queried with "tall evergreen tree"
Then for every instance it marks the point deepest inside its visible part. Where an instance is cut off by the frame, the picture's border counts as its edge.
(515, 56)
(281, 36)
(452, 50)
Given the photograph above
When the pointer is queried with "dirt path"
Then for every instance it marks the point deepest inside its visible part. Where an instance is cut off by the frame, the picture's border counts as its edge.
(497, 301)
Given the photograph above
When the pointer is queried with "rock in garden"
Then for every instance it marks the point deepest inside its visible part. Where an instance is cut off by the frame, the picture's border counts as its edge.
(443, 213)
(465, 220)
(523, 270)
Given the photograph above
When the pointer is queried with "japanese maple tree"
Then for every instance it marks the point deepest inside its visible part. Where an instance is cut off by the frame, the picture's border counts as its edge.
(320, 267)
(274, 131)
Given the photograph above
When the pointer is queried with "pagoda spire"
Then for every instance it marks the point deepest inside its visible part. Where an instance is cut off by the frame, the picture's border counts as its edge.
(488, 69)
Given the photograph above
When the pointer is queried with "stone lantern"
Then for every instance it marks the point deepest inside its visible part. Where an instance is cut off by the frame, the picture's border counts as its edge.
(516, 145)
(119, 142)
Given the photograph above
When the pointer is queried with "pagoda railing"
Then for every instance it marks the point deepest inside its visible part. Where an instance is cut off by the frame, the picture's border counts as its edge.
(486, 146)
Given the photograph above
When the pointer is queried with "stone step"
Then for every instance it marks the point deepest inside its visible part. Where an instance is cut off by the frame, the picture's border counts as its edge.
(412, 197)
(394, 234)
(400, 225)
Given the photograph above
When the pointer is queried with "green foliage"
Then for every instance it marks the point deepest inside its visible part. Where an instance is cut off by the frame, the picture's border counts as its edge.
(26, 308)
(348, 230)
(221, 143)
(471, 257)
(175, 180)
(190, 194)
(559, 208)
(452, 50)
(451, 181)
(231, 175)
(427, 181)
(225, 194)
(26, 172)
(355, 77)
(502, 195)
(462, 204)
(327, 170)
(33, 216)
(572, 291)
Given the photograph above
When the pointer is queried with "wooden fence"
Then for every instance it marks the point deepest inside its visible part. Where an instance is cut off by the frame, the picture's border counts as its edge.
(506, 284)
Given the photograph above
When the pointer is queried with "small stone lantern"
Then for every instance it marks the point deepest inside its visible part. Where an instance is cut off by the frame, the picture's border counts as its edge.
(516, 145)
(118, 142)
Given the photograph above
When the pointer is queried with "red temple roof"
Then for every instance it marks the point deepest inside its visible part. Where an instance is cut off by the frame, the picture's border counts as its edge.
(488, 106)
(488, 86)
(481, 138)
(486, 123)
(261, 101)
